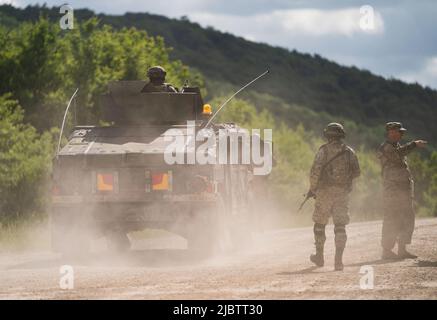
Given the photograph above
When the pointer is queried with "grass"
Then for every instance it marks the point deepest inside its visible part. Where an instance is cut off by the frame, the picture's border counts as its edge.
(22, 236)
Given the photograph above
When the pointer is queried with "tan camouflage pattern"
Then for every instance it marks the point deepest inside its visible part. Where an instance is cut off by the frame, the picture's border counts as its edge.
(332, 188)
(331, 202)
(319, 235)
(340, 236)
(398, 193)
(399, 216)
(339, 172)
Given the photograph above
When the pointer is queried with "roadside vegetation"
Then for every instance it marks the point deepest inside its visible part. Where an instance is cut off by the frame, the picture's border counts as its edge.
(41, 66)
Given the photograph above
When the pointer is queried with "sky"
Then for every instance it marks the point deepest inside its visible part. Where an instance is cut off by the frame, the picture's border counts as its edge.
(390, 38)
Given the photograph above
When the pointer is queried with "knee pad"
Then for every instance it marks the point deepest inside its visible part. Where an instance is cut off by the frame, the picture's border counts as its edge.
(319, 233)
(319, 229)
(339, 229)
(340, 235)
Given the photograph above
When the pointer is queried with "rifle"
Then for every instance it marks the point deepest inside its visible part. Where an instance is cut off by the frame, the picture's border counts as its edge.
(307, 196)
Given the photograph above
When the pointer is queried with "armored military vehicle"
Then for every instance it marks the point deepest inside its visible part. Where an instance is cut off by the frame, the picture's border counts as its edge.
(112, 180)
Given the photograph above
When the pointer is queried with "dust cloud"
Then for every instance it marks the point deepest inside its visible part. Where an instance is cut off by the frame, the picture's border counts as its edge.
(150, 247)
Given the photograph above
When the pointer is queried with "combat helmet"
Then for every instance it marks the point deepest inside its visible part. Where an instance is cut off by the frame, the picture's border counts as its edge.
(395, 126)
(334, 130)
(156, 72)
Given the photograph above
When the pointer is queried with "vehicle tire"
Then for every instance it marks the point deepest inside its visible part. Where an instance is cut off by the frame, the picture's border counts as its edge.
(118, 241)
(203, 240)
(204, 236)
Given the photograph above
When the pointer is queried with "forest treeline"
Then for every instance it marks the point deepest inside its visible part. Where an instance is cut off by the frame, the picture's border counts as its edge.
(41, 66)
(297, 83)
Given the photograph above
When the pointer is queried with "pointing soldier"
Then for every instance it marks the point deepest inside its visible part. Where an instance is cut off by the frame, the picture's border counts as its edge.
(398, 191)
(157, 83)
(334, 168)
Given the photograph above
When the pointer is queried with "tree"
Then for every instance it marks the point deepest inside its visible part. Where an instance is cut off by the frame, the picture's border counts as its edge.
(24, 163)
(42, 65)
(431, 194)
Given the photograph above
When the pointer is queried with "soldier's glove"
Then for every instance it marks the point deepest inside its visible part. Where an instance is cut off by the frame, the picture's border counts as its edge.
(307, 196)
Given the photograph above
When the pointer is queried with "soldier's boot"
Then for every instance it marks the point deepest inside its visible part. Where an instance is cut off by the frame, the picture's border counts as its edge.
(340, 244)
(319, 239)
(403, 253)
(387, 254)
(338, 265)
(318, 258)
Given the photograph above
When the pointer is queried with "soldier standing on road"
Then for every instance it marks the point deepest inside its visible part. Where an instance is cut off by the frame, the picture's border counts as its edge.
(334, 168)
(157, 83)
(398, 191)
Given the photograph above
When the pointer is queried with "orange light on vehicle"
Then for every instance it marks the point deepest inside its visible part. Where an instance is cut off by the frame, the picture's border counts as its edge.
(161, 181)
(105, 182)
(207, 109)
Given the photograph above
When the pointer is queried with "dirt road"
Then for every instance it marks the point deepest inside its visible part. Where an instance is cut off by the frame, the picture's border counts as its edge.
(276, 268)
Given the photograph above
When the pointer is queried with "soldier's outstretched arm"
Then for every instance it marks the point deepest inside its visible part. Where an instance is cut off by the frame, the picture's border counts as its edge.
(421, 143)
(316, 169)
(392, 153)
(405, 149)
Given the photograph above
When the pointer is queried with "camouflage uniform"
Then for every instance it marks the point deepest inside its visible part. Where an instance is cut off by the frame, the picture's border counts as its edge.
(157, 81)
(332, 188)
(333, 170)
(398, 193)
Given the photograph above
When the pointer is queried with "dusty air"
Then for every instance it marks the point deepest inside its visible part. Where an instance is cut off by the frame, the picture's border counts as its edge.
(210, 153)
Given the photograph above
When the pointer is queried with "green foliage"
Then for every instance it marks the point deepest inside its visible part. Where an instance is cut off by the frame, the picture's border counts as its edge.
(42, 65)
(294, 150)
(366, 197)
(24, 163)
(300, 81)
(25, 235)
(425, 173)
(431, 192)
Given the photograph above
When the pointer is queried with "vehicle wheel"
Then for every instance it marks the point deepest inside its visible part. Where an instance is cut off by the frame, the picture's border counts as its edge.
(204, 237)
(202, 241)
(118, 241)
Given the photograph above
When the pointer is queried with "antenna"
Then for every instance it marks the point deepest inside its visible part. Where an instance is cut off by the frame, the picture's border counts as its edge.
(231, 97)
(63, 121)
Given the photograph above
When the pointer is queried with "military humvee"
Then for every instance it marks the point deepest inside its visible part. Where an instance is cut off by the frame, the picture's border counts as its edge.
(112, 180)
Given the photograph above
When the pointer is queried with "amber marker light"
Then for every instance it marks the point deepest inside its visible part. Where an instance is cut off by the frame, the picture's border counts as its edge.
(207, 110)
